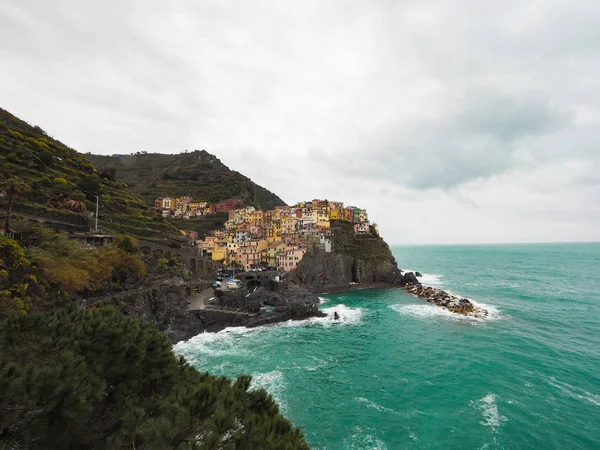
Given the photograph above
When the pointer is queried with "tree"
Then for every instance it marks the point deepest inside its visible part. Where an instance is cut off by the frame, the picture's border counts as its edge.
(12, 186)
(19, 285)
(95, 379)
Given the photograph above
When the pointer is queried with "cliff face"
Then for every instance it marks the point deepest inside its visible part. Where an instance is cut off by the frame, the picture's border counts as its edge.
(164, 305)
(354, 259)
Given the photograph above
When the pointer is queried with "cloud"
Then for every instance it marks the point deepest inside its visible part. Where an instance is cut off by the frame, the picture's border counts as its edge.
(479, 135)
(449, 121)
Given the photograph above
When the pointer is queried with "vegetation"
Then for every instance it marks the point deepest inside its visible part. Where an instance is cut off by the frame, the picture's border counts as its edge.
(54, 269)
(95, 379)
(19, 286)
(91, 379)
(197, 174)
(203, 224)
(40, 175)
(369, 247)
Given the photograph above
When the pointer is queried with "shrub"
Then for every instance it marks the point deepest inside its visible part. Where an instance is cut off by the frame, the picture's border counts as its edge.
(97, 379)
(127, 244)
(18, 281)
(61, 181)
(90, 185)
(16, 134)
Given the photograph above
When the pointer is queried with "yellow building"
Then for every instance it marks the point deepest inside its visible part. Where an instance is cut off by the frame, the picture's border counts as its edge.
(219, 253)
(256, 218)
(334, 214)
(322, 219)
(274, 231)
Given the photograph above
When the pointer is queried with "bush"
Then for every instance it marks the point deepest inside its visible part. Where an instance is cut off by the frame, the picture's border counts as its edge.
(70, 269)
(16, 134)
(127, 244)
(96, 379)
(110, 173)
(18, 282)
(90, 185)
(61, 181)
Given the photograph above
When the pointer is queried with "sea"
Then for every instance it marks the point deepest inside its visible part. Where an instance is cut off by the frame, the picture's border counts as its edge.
(396, 372)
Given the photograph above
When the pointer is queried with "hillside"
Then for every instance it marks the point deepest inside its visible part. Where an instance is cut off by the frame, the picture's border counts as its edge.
(197, 174)
(58, 185)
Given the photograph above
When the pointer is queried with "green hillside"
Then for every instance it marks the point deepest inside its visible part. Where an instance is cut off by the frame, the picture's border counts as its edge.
(197, 174)
(57, 185)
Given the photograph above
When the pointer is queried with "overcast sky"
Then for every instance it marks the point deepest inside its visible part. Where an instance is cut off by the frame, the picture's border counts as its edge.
(450, 121)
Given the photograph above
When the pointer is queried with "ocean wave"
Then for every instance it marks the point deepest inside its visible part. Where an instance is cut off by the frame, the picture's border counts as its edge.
(347, 316)
(428, 279)
(221, 343)
(319, 363)
(489, 410)
(274, 383)
(364, 439)
(429, 310)
(575, 392)
(373, 405)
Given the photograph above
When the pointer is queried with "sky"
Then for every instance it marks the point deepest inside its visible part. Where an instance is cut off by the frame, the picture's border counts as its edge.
(450, 122)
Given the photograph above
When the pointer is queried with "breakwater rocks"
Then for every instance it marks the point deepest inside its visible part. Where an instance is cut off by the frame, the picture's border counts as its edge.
(441, 298)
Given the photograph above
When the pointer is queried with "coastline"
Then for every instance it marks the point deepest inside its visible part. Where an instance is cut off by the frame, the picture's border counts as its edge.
(454, 304)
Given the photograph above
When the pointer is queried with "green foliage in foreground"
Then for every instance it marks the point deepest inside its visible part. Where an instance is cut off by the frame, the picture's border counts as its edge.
(96, 379)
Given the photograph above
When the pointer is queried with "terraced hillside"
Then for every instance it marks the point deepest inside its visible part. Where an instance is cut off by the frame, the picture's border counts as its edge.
(198, 174)
(57, 185)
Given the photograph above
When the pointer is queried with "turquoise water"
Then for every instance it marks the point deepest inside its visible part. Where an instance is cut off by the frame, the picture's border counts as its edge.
(397, 372)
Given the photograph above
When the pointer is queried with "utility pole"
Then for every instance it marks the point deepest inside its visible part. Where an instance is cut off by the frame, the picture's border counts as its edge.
(96, 213)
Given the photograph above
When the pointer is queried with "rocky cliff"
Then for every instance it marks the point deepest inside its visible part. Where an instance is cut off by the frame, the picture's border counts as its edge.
(164, 305)
(360, 259)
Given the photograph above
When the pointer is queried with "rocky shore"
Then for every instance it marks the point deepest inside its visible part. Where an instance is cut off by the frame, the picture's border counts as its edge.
(266, 305)
(441, 298)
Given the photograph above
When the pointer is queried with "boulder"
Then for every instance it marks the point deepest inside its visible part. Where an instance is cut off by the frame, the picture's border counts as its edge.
(408, 278)
(418, 274)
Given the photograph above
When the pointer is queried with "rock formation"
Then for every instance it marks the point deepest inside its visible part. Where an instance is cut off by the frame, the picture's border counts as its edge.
(355, 258)
(274, 304)
(441, 298)
(164, 305)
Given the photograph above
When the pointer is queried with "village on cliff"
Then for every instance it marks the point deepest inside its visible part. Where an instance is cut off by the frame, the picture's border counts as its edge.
(277, 238)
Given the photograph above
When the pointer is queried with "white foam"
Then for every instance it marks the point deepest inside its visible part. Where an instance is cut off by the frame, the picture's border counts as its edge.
(347, 316)
(377, 407)
(575, 392)
(323, 300)
(489, 410)
(429, 310)
(205, 343)
(318, 364)
(428, 279)
(223, 343)
(274, 383)
(363, 439)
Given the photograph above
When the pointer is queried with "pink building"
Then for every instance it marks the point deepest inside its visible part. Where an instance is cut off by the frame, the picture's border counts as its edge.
(290, 257)
(249, 257)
